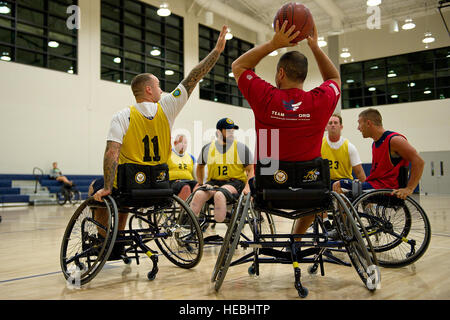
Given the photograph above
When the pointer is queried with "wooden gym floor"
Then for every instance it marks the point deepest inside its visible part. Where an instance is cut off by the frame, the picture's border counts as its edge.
(30, 240)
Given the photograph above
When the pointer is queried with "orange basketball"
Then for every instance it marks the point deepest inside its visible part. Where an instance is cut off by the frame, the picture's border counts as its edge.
(296, 14)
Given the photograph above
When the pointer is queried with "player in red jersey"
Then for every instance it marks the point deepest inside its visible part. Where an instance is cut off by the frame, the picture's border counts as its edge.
(294, 118)
(390, 152)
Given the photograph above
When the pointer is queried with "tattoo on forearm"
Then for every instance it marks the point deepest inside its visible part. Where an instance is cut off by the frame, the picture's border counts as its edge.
(200, 71)
(110, 162)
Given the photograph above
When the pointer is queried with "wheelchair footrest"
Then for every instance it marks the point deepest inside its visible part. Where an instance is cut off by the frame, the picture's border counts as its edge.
(287, 255)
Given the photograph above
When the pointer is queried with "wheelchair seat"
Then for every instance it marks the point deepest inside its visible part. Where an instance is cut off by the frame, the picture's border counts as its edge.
(303, 187)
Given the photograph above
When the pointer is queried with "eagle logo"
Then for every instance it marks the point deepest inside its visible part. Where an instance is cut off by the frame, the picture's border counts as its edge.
(280, 176)
(312, 175)
(140, 177)
(291, 106)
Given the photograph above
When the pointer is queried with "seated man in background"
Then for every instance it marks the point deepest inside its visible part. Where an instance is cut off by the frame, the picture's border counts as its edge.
(229, 168)
(390, 152)
(181, 168)
(55, 173)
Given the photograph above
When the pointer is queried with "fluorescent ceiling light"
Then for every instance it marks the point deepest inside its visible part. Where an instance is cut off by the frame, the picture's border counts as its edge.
(229, 35)
(374, 67)
(428, 38)
(394, 96)
(169, 72)
(373, 3)
(427, 92)
(155, 52)
(350, 81)
(345, 53)
(164, 10)
(372, 89)
(391, 74)
(4, 9)
(412, 84)
(231, 74)
(5, 57)
(117, 60)
(321, 41)
(53, 44)
(409, 24)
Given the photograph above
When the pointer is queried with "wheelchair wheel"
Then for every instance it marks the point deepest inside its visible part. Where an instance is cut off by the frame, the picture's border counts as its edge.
(62, 196)
(184, 245)
(261, 222)
(83, 252)
(398, 229)
(363, 261)
(231, 242)
(75, 196)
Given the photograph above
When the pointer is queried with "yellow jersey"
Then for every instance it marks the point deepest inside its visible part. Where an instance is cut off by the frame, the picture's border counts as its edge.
(147, 141)
(338, 159)
(225, 166)
(180, 168)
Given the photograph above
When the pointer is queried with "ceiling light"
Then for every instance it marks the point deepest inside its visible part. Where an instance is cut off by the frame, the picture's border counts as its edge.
(273, 53)
(409, 24)
(155, 52)
(374, 67)
(412, 84)
(53, 44)
(321, 42)
(372, 89)
(169, 72)
(350, 81)
(231, 74)
(428, 38)
(5, 57)
(4, 9)
(394, 96)
(70, 70)
(229, 35)
(345, 53)
(427, 92)
(117, 60)
(163, 10)
(391, 74)
(373, 3)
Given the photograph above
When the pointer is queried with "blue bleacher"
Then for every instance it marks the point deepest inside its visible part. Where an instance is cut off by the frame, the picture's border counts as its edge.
(8, 194)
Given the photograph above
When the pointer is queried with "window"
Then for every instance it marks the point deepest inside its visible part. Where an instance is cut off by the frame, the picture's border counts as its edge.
(219, 85)
(34, 32)
(135, 40)
(416, 76)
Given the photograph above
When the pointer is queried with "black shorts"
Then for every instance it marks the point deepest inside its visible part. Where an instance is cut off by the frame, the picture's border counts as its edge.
(237, 184)
(177, 185)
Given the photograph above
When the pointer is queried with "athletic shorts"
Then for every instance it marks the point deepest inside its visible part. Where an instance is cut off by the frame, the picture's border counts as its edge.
(237, 184)
(347, 184)
(177, 185)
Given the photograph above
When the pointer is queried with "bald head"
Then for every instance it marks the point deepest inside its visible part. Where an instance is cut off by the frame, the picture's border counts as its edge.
(139, 83)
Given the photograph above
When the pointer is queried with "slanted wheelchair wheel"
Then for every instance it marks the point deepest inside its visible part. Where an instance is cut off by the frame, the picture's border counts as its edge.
(363, 260)
(261, 223)
(75, 197)
(399, 230)
(183, 244)
(231, 242)
(83, 252)
(62, 196)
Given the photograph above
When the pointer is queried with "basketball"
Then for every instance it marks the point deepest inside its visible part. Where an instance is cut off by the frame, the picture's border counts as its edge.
(296, 14)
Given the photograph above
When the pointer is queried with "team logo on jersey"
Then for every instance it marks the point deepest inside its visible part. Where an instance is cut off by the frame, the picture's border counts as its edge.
(161, 177)
(176, 93)
(140, 177)
(291, 106)
(311, 176)
(280, 176)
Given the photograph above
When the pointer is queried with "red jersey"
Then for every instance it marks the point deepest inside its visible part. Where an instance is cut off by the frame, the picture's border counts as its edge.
(385, 170)
(289, 123)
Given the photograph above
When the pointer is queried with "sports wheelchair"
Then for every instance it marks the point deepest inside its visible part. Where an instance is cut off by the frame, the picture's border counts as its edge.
(68, 194)
(166, 219)
(295, 190)
(399, 230)
(206, 216)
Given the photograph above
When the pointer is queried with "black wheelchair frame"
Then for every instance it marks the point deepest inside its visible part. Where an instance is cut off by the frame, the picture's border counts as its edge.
(169, 222)
(206, 218)
(68, 194)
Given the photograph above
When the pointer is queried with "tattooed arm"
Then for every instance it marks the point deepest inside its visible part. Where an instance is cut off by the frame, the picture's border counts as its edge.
(206, 64)
(110, 162)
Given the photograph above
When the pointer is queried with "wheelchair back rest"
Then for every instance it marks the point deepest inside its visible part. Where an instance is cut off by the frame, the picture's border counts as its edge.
(403, 177)
(293, 185)
(143, 185)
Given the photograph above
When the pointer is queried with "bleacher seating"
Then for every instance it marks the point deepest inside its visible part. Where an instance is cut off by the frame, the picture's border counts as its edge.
(20, 188)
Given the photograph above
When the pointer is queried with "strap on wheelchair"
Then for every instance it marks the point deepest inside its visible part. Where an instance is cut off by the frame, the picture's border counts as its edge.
(228, 195)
